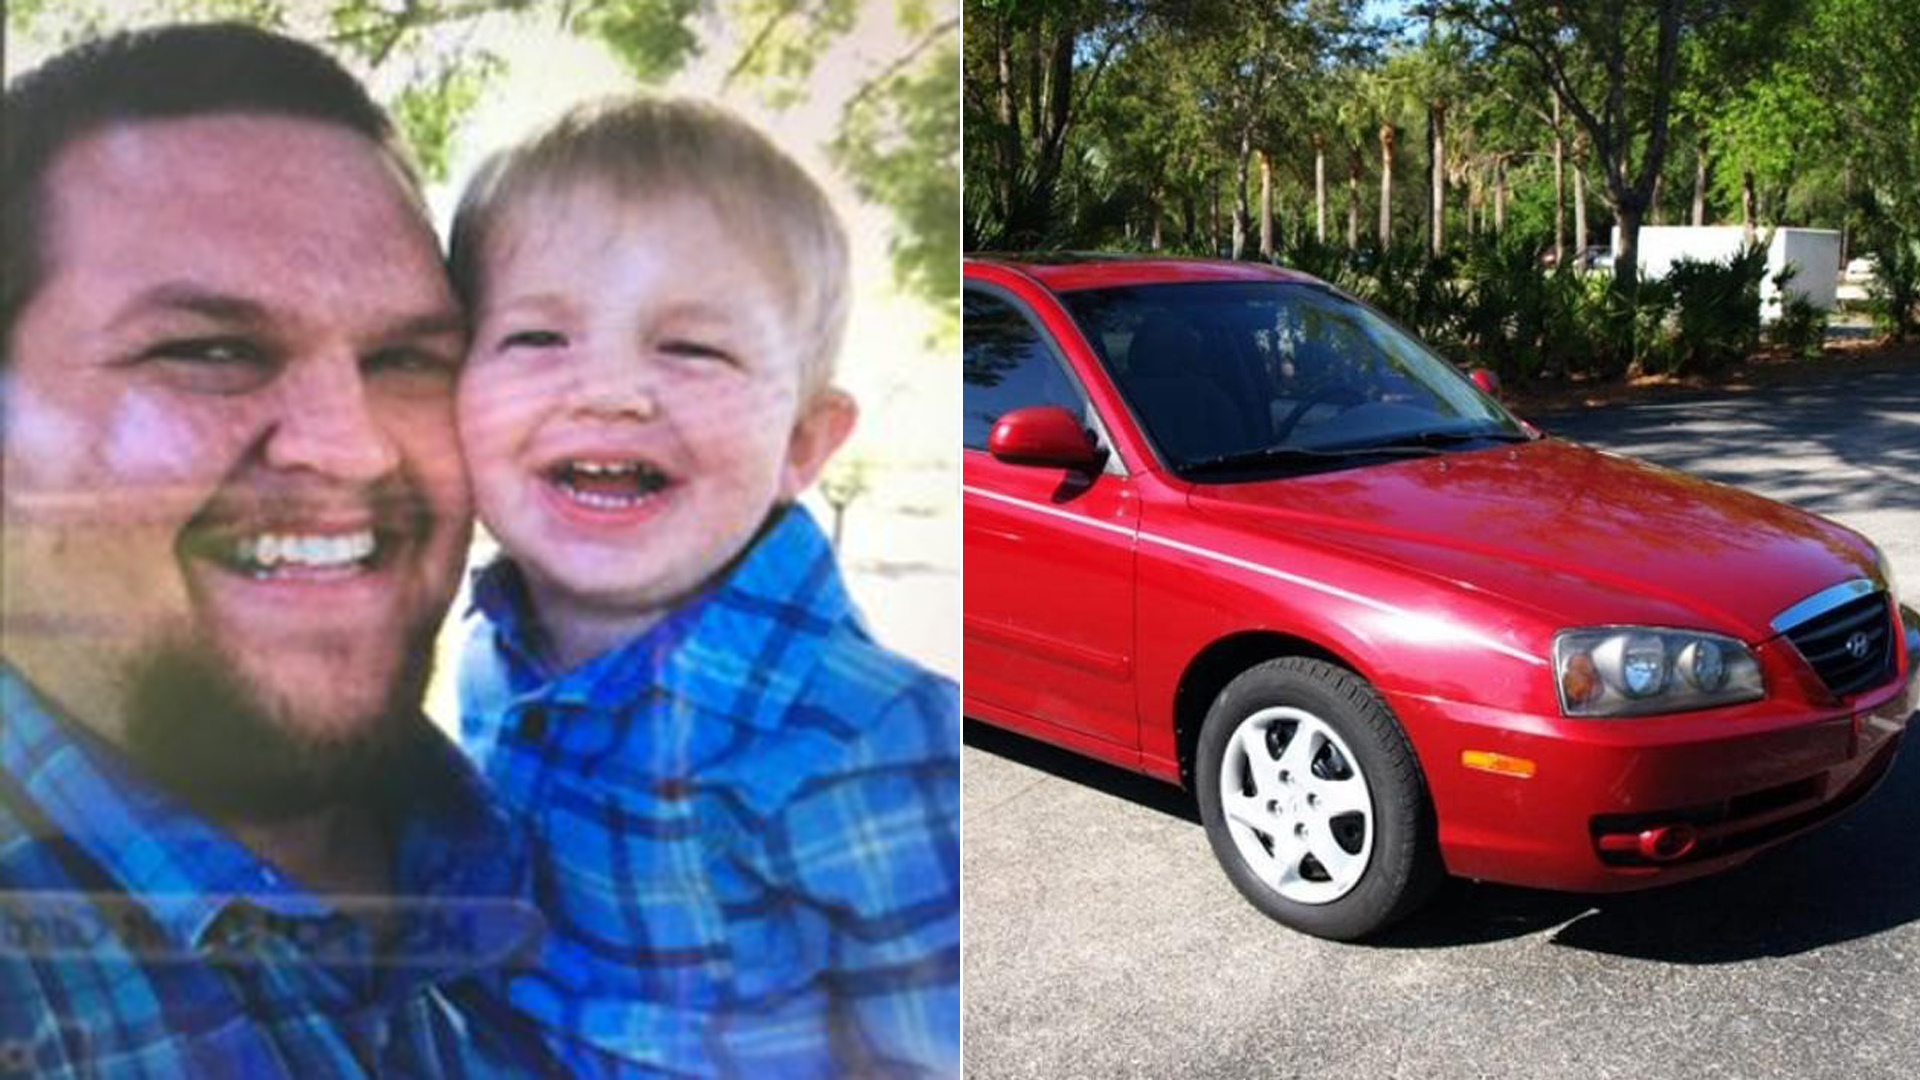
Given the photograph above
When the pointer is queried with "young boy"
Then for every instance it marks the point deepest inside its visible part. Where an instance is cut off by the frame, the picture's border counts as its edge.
(747, 811)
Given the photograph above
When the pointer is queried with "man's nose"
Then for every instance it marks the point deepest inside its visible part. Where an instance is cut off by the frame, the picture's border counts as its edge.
(325, 423)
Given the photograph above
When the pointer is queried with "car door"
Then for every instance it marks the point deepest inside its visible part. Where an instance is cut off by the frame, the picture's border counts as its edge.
(1049, 583)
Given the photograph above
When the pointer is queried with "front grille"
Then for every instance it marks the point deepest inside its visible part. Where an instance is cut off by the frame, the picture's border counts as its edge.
(1850, 646)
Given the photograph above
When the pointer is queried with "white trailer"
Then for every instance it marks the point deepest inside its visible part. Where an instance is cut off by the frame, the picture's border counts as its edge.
(1816, 252)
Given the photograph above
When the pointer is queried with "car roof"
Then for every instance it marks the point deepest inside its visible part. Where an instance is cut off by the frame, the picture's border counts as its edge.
(1067, 271)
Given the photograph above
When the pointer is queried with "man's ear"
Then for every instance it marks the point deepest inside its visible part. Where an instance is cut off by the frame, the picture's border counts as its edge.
(824, 423)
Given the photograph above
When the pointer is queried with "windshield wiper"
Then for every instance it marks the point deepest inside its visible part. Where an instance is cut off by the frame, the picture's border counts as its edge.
(1279, 455)
(1432, 440)
(1422, 443)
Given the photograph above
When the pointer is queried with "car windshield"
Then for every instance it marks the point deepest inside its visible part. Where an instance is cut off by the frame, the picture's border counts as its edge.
(1237, 377)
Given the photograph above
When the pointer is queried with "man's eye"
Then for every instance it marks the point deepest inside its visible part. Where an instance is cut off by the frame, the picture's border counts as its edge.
(207, 351)
(213, 365)
(697, 350)
(533, 339)
(410, 360)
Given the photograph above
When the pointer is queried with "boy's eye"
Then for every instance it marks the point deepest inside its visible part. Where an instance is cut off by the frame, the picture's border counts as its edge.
(212, 365)
(697, 350)
(533, 339)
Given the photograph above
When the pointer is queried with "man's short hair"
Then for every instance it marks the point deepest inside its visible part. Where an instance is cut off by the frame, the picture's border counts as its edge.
(640, 148)
(169, 72)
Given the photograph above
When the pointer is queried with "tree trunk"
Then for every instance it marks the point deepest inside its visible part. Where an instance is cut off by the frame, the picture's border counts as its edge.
(1846, 199)
(1266, 207)
(1559, 188)
(1354, 167)
(1320, 188)
(1009, 118)
(1386, 186)
(1158, 213)
(1749, 205)
(1213, 218)
(1579, 206)
(1437, 120)
(1500, 195)
(1653, 203)
(1240, 210)
(1626, 255)
(1700, 179)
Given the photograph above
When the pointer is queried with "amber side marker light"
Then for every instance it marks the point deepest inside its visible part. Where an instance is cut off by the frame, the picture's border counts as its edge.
(1501, 764)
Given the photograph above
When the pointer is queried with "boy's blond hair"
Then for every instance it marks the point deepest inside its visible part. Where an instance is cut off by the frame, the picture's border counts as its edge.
(640, 148)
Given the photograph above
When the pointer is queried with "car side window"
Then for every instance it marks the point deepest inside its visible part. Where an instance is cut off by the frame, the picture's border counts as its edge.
(1007, 366)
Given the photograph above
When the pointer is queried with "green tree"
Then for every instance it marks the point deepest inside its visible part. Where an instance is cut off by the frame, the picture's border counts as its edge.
(897, 141)
(1871, 80)
(1612, 63)
(1030, 68)
(1250, 59)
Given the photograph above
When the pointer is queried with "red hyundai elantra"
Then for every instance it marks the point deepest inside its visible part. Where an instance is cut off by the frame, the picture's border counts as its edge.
(1229, 527)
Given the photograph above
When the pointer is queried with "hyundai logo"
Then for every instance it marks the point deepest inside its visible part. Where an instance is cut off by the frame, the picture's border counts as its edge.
(1858, 645)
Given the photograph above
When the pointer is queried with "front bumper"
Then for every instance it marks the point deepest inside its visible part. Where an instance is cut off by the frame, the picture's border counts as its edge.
(1740, 779)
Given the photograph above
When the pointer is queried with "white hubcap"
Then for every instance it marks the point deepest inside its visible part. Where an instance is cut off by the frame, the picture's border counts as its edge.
(1297, 805)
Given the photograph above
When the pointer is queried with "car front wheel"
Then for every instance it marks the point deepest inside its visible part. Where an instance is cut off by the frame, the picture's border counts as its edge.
(1313, 800)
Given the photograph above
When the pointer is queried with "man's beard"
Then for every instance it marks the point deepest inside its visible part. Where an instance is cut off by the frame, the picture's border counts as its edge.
(203, 732)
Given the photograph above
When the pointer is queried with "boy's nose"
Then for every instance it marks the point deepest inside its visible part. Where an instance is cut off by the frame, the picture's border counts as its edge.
(614, 387)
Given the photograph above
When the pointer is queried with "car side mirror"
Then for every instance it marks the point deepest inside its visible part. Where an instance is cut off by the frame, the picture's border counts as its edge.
(1044, 435)
(1489, 383)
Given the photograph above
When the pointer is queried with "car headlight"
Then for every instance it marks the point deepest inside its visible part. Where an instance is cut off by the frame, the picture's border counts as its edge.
(1635, 670)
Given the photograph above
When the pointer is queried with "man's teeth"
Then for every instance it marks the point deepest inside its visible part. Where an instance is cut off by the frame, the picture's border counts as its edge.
(291, 549)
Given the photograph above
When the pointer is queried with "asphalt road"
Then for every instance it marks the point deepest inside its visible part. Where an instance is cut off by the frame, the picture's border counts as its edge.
(1102, 939)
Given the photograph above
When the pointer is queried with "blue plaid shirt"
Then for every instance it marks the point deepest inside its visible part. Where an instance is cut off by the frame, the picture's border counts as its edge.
(746, 827)
(139, 940)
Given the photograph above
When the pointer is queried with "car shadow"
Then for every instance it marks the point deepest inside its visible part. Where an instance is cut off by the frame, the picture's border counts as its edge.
(1853, 878)
(1135, 788)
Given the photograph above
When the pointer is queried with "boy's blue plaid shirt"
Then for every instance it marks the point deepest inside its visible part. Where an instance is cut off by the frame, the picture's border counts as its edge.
(746, 827)
(140, 940)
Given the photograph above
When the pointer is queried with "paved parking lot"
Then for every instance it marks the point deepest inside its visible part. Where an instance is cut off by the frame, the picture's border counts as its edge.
(1102, 940)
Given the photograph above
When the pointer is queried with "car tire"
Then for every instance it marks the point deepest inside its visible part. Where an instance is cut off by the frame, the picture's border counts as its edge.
(1313, 800)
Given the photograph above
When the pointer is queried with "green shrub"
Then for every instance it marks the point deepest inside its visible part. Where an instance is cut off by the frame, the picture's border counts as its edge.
(1801, 328)
(1716, 310)
(1894, 292)
(1507, 307)
(1331, 262)
(1406, 281)
(1490, 303)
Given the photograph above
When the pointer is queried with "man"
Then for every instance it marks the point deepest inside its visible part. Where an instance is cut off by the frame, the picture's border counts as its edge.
(234, 515)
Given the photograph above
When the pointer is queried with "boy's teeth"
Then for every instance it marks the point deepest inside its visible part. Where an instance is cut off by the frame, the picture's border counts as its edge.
(602, 468)
(292, 549)
(608, 483)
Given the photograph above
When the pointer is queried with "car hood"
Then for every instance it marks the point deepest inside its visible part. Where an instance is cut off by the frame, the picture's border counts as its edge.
(1579, 536)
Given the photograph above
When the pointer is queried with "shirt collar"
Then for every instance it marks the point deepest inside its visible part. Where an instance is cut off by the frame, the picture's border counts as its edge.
(763, 626)
(186, 872)
(741, 648)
